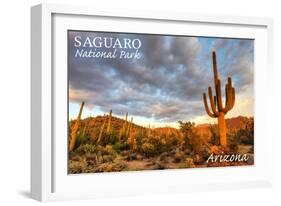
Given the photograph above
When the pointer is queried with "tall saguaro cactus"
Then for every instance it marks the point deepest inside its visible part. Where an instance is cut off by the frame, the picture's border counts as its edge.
(75, 129)
(108, 130)
(123, 130)
(218, 110)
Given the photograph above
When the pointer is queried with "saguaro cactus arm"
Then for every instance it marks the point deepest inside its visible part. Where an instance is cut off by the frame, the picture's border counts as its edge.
(230, 96)
(219, 98)
(101, 132)
(215, 69)
(212, 101)
(207, 107)
(108, 130)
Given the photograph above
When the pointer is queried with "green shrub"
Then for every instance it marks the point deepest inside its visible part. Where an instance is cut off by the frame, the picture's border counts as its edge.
(233, 142)
(86, 148)
(118, 147)
(107, 150)
(112, 167)
(76, 167)
(149, 149)
(191, 138)
(215, 137)
(80, 140)
(179, 155)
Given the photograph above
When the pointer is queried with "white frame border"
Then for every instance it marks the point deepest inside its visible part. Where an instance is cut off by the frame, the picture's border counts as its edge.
(42, 86)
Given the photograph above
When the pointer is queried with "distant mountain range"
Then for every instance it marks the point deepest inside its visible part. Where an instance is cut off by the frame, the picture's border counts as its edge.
(232, 124)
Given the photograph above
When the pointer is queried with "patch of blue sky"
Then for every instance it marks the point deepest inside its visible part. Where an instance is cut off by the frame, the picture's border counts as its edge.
(74, 107)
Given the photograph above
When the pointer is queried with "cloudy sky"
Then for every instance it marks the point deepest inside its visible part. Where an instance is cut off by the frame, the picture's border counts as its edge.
(166, 84)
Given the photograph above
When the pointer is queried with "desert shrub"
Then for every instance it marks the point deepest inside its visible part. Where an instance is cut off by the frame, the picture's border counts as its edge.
(196, 143)
(107, 150)
(113, 137)
(149, 149)
(173, 140)
(170, 143)
(179, 155)
(233, 141)
(108, 158)
(154, 145)
(206, 150)
(75, 167)
(93, 157)
(191, 138)
(132, 141)
(86, 148)
(111, 167)
(80, 140)
(108, 138)
(140, 137)
(118, 147)
(186, 129)
(245, 135)
(215, 137)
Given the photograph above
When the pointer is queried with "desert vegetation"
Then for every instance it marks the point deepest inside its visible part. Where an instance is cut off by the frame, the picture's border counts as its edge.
(109, 143)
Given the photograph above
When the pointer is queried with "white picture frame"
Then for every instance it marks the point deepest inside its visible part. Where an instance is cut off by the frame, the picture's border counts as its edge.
(49, 179)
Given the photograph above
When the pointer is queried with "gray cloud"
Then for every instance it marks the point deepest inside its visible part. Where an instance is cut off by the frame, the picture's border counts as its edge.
(166, 83)
(238, 61)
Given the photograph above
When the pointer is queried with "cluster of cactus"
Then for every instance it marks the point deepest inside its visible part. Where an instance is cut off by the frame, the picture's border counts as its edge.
(130, 134)
(101, 132)
(126, 133)
(218, 110)
(108, 130)
(130, 127)
(132, 141)
(148, 131)
(109, 127)
(74, 129)
(123, 134)
(85, 130)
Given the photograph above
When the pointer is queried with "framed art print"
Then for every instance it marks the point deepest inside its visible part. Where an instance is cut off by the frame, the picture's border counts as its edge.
(138, 103)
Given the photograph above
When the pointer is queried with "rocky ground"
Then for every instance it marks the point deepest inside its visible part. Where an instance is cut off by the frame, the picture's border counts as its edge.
(128, 161)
